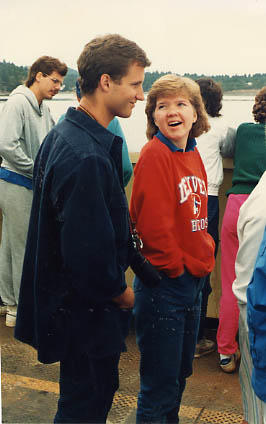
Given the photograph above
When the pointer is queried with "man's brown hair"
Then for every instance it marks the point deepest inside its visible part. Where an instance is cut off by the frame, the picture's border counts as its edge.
(111, 54)
(46, 65)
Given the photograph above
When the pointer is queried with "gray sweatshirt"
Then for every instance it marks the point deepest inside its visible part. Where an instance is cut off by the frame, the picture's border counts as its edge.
(23, 126)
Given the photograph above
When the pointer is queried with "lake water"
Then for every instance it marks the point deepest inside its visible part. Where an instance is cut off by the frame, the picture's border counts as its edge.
(236, 109)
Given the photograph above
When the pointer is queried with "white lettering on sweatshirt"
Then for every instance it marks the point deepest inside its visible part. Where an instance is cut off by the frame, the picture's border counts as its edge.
(191, 184)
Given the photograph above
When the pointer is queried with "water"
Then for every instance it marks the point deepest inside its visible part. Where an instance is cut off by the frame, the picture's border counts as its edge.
(236, 109)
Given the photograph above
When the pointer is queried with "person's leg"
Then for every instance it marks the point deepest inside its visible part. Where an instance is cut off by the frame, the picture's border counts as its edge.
(205, 346)
(18, 211)
(6, 280)
(213, 220)
(229, 313)
(87, 388)
(206, 291)
(192, 318)
(159, 341)
(161, 328)
(264, 412)
(252, 405)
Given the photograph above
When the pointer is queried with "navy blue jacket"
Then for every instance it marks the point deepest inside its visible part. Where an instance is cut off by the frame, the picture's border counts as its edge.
(256, 317)
(77, 246)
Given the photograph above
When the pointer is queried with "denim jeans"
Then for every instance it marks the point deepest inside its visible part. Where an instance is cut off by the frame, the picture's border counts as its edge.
(87, 388)
(213, 230)
(167, 319)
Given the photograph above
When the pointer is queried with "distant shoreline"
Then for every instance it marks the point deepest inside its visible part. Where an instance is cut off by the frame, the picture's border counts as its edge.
(250, 92)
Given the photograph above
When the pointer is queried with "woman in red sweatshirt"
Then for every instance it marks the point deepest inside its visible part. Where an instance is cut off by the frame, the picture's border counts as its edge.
(169, 210)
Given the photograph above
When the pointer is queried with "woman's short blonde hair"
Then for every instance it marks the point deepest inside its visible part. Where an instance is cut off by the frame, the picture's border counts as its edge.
(169, 85)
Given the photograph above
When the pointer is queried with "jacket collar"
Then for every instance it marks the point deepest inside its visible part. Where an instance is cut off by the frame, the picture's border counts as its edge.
(100, 134)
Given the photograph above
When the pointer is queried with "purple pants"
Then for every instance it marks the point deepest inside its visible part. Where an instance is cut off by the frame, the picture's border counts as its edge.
(229, 313)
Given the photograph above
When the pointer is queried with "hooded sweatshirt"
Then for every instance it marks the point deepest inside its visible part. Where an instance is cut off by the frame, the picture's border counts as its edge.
(23, 125)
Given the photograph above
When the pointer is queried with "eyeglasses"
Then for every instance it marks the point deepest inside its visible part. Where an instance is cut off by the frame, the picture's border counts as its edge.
(55, 81)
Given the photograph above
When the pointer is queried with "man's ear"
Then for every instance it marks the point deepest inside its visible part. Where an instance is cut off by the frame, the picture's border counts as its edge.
(104, 82)
(38, 76)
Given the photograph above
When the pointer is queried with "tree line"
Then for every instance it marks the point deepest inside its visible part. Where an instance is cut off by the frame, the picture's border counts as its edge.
(228, 83)
(12, 75)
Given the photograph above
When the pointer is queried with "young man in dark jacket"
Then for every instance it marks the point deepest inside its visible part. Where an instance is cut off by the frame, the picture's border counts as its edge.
(74, 299)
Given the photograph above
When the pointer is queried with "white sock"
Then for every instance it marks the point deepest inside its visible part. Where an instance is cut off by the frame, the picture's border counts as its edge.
(224, 356)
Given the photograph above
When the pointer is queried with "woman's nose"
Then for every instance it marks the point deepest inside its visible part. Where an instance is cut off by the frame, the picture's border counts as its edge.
(172, 111)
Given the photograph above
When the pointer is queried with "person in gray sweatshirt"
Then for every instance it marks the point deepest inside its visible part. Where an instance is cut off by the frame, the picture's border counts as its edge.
(24, 122)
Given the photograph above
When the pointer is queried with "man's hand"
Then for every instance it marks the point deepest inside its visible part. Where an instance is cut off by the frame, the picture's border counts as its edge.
(126, 299)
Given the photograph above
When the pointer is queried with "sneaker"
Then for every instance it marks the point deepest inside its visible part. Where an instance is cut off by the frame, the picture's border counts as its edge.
(11, 316)
(229, 364)
(204, 347)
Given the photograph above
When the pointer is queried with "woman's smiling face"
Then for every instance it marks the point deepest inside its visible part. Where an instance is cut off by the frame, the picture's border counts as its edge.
(174, 115)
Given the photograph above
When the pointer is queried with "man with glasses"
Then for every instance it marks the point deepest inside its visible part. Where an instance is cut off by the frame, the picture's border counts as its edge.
(24, 122)
(55, 81)
(74, 303)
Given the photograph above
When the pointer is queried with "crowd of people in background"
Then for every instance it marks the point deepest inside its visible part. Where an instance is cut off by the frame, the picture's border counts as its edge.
(68, 235)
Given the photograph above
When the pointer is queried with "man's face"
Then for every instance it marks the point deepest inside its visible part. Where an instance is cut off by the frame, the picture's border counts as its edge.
(123, 95)
(50, 85)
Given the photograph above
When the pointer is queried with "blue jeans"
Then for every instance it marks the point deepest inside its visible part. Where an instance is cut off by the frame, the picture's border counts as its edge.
(213, 230)
(167, 320)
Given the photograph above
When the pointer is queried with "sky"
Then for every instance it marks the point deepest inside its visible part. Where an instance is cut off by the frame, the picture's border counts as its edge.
(207, 37)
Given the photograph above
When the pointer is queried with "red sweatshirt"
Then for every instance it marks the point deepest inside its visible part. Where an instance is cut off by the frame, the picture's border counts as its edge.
(169, 208)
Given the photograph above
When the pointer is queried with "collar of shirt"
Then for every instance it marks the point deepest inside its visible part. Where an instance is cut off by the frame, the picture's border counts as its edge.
(191, 143)
(95, 130)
